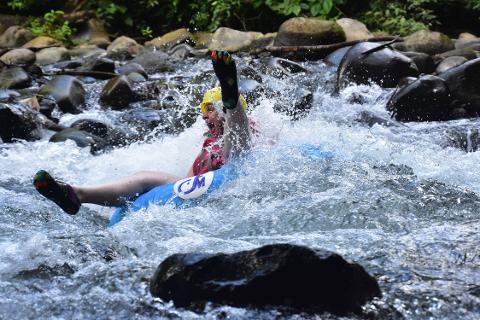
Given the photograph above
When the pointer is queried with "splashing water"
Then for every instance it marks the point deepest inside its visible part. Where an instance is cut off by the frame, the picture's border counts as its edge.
(396, 199)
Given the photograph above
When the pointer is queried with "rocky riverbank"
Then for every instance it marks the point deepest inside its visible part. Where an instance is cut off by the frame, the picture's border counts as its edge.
(41, 79)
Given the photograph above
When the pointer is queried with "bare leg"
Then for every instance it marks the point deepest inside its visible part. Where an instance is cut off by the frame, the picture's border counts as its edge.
(118, 192)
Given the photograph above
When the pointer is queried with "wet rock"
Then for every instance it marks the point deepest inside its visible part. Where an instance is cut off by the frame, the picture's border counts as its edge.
(92, 32)
(171, 39)
(384, 67)
(424, 62)
(406, 81)
(154, 61)
(298, 105)
(42, 42)
(430, 42)
(450, 62)
(369, 118)
(68, 92)
(354, 29)
(334, 58)
(14, 78)
(145, 120)
(464, 84)
(15, 36)
(202, 39)
(8, 95)
(46, 105)
(287, 65)
(123, 48)
(44, 271)
(68, 64)
(308, 32)
(132, 67)
(101, 64)
(263, 41)
(232, 40)
(134, 77)
(117, 93)
(52, 55)
(426, 99)
(94, 127)
(19, 57)
(18, 122)
(273, 275)
(182, 51)
(81, 138)
(466, 139)
(249, 73)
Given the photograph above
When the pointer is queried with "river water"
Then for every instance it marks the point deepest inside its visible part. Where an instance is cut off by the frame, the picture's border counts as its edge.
(396, 199)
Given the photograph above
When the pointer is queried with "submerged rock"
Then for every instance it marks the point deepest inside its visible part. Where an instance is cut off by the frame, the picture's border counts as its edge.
(384, 67)
(273, 275)
(68, 92)
(426, 99)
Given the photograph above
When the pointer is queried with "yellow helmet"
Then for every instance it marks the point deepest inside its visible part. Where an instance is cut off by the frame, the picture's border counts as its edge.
(214, 97)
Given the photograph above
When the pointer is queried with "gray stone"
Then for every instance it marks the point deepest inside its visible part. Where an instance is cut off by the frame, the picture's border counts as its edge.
(14, 78)
(14, 37)
(430, 42)
(154, 61)
(468, 53)
(42, 42)
(171, 39)
(450, 62)
(68, 92)
(354, 29)
(19, 57)
(308, 32)
(232, 40)
(132, 67)
(52, 55)
(123, 48)
(100, 64)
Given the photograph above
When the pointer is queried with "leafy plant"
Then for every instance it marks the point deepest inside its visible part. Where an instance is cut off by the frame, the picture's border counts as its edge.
(51, 25)
(147, 32)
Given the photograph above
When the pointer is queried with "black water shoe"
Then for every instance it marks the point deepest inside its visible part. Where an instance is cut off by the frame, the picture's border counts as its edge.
(60, 193)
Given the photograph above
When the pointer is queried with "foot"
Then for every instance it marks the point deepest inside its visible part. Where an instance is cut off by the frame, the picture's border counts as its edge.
(60, 193)
(226, 71)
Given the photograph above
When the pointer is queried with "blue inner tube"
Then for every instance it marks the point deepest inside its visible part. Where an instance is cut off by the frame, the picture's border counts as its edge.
(190, 191)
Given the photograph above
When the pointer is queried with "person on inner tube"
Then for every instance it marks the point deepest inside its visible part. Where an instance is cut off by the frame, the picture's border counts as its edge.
(223, 110)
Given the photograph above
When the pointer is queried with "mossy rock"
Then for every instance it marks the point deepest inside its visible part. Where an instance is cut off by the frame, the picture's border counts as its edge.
(309, 32)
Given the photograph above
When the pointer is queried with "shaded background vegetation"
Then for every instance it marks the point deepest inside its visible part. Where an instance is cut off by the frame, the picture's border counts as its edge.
(145, 18)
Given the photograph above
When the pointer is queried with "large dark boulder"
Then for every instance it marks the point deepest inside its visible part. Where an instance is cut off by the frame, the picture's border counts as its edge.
(118, 93)
(81, 138)
(19, 122)
(426, 99)
(14, 78)
(464, 84)
(363, 64)
(273, 275)
(334, 58)
(68, 92)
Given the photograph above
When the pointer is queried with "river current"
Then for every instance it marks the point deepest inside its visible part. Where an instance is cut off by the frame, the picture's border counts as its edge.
(398, 199)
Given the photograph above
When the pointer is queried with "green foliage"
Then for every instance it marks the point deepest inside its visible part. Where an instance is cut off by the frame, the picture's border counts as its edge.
(313, 8)
(20, 4)
(51, 25)
(147, 32)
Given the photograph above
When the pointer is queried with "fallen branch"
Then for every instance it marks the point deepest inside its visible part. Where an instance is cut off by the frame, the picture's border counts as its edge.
(95, 74)
(380, 47)
(316, 52)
